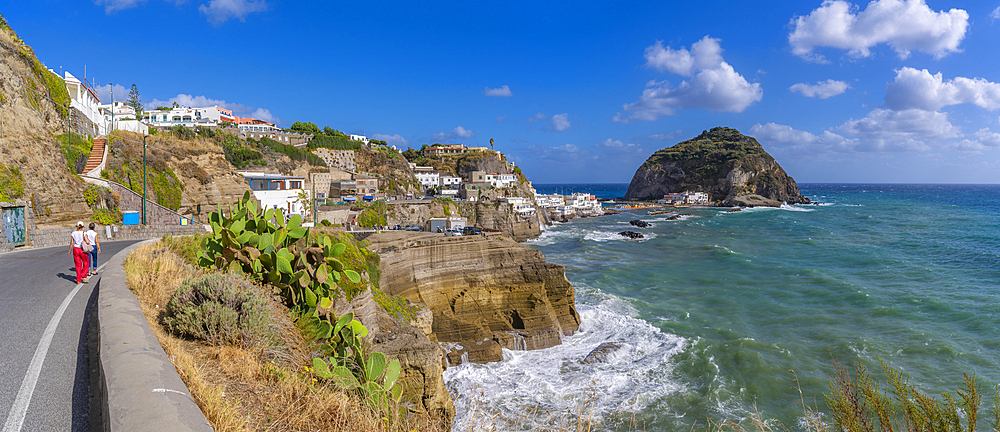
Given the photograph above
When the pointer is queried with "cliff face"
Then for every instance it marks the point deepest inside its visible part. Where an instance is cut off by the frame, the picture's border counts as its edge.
(483, 293)
(732, 168)
(30, 96)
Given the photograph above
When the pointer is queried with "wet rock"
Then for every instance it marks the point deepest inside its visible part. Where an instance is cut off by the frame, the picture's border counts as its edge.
(602, 353)
(735, 210)
(486, 351)
(631, 234)
(639, 223)
(528, 340)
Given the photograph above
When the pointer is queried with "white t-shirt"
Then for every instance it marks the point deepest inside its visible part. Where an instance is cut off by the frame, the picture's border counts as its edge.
(77, 238)
(92, 236)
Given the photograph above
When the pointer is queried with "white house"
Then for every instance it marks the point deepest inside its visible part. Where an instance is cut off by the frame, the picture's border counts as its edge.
(449, 180)
(520, 205)
(586, 204)
(428, 179)
(501, 180)
(277, 191)
(120, 116)
(190, 117)
(361, 138)
(83, 98)
(549, 201)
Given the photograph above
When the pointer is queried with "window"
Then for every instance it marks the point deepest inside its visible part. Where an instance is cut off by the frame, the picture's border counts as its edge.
(295, 184)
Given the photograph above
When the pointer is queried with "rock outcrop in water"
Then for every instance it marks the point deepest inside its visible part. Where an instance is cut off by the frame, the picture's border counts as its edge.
(732, 168)
(484, 293)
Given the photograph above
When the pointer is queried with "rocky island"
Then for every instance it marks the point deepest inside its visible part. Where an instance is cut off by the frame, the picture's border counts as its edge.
(731, 167)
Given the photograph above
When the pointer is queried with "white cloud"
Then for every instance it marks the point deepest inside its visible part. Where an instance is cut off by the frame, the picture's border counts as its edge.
(560, 122)
(774, 135)
(458, 132)
(395, 139)
(662, 137)
(704, 54)
(219, 11)
(714, 84)
(904, 25)
(117, 5)
(263, 114)
(888, 130)
(104, 93)
(985, 140)
(995, 14)
(823, 89)
(919, 89)
(502, 91)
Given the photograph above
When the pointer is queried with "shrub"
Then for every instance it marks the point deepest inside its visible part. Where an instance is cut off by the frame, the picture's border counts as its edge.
(333, 142)
(292, 152)
(182, 132)
(221, 309)
(373, 215)
(11, 183)
(186, 247)
(107, 216)
(238, 155)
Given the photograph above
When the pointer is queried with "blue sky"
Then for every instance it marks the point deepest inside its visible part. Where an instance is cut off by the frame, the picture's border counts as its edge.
(888, 91)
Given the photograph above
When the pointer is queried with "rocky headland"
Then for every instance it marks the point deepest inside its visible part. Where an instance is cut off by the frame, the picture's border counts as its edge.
(731, 167)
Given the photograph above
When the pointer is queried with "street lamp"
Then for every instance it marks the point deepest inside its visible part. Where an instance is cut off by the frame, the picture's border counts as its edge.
(144, 179)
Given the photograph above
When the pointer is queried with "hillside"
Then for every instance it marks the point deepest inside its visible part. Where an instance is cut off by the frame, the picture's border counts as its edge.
(732, 168)
(33, 165)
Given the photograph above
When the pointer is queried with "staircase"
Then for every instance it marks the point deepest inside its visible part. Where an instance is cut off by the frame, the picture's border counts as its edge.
(96, 161)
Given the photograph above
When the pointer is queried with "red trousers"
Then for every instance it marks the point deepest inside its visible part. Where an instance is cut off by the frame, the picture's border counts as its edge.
(82, 260)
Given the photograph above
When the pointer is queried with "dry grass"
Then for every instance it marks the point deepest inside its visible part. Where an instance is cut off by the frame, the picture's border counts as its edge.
(262, 388)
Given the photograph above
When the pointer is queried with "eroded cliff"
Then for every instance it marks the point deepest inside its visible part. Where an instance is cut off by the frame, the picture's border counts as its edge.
(483, 293)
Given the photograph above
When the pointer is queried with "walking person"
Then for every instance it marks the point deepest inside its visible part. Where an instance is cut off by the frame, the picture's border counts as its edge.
(77, 239)
(96, 248)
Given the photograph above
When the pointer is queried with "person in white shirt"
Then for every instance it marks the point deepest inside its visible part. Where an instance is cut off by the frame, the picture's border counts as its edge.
(80, 258)
(92, 237)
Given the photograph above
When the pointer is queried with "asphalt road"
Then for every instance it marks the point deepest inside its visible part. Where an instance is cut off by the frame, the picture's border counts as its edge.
(35, 284)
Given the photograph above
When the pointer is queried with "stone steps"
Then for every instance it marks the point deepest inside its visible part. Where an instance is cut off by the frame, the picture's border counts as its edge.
(96, 155)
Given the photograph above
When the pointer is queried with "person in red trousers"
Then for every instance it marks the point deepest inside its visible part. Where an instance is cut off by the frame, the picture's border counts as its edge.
(82, 259)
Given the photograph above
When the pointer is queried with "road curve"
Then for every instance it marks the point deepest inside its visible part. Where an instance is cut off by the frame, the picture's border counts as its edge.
(35, 286)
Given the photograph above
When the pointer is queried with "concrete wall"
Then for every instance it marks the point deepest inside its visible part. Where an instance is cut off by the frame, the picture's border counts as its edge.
(131, 201)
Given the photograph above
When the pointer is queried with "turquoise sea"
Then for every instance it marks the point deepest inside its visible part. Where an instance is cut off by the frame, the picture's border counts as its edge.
(721, 314)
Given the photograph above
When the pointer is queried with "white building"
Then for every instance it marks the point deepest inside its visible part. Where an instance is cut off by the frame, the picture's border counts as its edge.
(361, 138)
(549, 201)
(501, 180)
(429, 179)
(696, 198)
(120, 116)
(277, 191)
(585, 203)
(520, 205)
(83, 98)
(190, 117)
(449, 180)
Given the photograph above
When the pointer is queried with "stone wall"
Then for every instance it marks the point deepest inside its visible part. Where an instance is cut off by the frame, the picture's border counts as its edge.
(82, 125)
(42, 238)
(343, 159)
(131, 201)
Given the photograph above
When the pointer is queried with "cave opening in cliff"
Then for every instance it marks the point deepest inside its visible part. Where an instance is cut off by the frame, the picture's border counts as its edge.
(515, 321)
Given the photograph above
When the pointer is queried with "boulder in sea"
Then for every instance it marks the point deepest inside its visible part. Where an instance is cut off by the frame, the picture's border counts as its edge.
(631, 234)
(602, 353)
(639, 223)
(735, 210)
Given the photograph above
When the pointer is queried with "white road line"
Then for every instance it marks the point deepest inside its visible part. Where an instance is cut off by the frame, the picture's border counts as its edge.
(20, 408)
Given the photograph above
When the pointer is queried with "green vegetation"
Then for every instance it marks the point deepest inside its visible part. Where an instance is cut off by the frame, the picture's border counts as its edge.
(126, 168)
(350, 369)
(105, 216)
(205, 131)
(221, 309)
(186, 247)
(182, 132)
(81, 148)
(388, 151)
(373, 215)
(859, 403)
(295, 153)
(306, 127)
(237, 154)
(11, 183)
(135, 101)
(338, 142)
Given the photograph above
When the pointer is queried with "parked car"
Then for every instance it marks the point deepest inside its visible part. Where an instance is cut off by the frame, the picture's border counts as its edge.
(412, 228)
(471, 231)
(453, 232)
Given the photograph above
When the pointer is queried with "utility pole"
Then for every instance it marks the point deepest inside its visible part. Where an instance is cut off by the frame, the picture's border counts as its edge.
(144, 179)
(69, 129)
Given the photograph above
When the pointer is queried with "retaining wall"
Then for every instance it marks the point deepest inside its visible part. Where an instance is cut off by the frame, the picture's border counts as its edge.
(49, 237)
